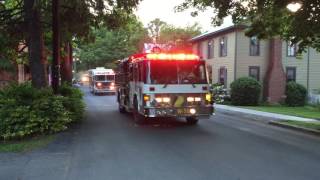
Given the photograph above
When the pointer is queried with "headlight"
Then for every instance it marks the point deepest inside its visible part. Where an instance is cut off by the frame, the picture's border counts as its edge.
(197, 99)
(163, 99)
(193, 111)
(99, 84)
(146, 97)
(166, 99)
(159, 100)
(190, 99)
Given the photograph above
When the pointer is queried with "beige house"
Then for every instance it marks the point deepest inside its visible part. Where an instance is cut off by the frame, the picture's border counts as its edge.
(231, 55)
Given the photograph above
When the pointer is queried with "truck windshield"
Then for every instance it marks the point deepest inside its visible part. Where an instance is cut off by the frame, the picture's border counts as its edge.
(177, 72)
(100, 77)
(110, 77)
(104, 77)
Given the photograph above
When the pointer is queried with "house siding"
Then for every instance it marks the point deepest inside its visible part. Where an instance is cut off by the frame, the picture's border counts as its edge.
(244, 60)
(314, 71)
(300, 63)
(238, 59)
(227, 62)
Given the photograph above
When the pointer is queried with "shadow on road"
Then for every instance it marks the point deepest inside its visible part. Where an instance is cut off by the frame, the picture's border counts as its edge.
(160, 123)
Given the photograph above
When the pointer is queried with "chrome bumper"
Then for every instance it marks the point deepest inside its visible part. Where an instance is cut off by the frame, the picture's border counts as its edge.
(203, 111)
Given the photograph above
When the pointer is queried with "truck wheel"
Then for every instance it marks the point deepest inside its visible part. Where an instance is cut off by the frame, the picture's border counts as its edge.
(122, 109)
(192, 120)
(138, 118)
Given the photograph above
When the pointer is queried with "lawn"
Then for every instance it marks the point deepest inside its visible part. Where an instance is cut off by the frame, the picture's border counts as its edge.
(26, 145)
(306, 111)
(309, 125)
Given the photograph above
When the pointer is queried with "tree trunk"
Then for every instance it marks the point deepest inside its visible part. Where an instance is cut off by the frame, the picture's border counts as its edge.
(56, 46)
(66, 66)
(35, 43)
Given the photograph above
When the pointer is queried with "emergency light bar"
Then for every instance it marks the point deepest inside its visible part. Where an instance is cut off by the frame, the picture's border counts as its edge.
(163, 56)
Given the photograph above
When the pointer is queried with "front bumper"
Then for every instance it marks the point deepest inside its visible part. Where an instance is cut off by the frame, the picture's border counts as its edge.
(203, 111)
(104, 90)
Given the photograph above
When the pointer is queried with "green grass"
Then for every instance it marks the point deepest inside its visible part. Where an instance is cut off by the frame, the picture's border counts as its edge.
(26, 145)
(306, 111)
(309, 125)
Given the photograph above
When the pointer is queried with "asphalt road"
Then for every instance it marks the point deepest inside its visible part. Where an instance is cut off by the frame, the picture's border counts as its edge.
(107, 145)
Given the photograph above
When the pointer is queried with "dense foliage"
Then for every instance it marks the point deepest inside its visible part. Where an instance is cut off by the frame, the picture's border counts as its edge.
(29, 23)
(111, 45)
(179, 36)
(245, 91)
(220, 93)
(268, 18)
(26, 111)
(154, 28)
(296, 94)
(73, 101)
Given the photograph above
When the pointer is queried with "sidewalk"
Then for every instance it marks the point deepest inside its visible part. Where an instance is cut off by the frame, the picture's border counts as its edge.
(259, 114)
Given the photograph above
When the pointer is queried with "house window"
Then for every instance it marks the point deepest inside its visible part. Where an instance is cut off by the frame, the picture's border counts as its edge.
(291, 73)
(210, 49)
(223, 46)
(254, 72)
(291, 49)
(254, 46)
(223, 76)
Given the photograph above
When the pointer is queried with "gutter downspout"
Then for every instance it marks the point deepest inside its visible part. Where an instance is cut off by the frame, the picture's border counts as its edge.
(308, 71)
(235, 55)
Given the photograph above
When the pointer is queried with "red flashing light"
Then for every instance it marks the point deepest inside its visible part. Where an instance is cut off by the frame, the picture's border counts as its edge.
(163, 56)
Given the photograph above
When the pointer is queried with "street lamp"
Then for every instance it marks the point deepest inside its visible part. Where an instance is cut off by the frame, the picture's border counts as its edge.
(294, 6)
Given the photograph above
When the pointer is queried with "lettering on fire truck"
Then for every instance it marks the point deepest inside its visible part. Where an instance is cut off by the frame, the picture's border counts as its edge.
(164, 85)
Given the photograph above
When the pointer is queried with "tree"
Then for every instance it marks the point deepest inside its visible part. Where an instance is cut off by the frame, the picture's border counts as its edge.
(77, 18)
(179, 36)
(55, 45)
(22, 21)
(154, 28)
(268, 18)
(27, 20)
(112, 45)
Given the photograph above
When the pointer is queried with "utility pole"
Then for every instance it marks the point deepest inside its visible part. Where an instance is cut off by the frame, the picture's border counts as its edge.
(56, 46)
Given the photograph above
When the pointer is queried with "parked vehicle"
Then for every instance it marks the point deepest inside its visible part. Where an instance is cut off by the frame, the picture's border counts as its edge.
(101, 80)
(164, 85)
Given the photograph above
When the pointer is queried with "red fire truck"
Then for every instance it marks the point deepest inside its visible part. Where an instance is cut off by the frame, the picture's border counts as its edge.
(164, 85)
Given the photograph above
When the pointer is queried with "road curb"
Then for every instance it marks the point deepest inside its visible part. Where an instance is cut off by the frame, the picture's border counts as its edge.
(247, 116)
(271, 121)
(296, 128)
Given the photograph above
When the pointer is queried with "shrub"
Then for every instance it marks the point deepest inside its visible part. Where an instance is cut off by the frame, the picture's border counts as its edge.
(26, 111)
(296, 94)
(220, 93)
(73, 101)
(245, 92)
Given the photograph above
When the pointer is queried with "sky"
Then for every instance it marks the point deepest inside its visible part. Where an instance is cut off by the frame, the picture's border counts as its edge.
(148, 10)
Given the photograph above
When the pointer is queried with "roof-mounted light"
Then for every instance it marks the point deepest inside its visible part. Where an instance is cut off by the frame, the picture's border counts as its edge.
(164, 56)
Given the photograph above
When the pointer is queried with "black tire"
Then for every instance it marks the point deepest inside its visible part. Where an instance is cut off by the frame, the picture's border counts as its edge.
(192, 120)
(122, 109)
(138, 118)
